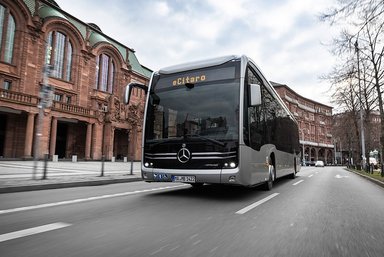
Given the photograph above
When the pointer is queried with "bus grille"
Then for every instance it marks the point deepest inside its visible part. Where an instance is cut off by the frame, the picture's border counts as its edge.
(196, 160)
(194, 156)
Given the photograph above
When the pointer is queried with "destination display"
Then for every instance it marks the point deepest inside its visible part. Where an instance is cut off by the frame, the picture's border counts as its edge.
(195, 77)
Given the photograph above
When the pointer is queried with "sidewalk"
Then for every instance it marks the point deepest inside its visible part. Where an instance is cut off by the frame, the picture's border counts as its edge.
(18, 176)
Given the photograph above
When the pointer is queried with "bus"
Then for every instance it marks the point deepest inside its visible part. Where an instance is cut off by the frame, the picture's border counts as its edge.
(216, 121)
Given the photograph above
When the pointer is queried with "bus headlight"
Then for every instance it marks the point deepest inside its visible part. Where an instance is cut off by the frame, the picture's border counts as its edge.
(147, 164)
(230, 165)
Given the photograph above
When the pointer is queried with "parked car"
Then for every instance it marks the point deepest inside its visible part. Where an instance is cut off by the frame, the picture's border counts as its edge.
(309, 163)
(319, 164)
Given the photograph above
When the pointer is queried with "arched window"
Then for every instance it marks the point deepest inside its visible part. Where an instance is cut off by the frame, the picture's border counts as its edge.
(7, 34)
(105, 73)
(59, 55)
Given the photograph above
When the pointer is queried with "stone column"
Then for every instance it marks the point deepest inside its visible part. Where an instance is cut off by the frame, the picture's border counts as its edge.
(309, 154)
(96, 145)
(108, 141)
(52, 144)
(29, 136)
(88, 142)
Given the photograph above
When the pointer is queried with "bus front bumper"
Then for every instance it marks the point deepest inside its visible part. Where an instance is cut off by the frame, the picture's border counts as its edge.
(211, 176)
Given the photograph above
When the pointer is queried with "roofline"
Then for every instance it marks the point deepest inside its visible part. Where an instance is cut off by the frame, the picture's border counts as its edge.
(84, 23)
(275, 84)
(145, 67)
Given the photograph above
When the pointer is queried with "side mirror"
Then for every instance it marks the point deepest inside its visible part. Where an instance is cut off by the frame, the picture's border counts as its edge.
(255, 94)
(128, 90)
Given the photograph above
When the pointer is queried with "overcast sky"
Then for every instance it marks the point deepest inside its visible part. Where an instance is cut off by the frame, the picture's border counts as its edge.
(284, 37)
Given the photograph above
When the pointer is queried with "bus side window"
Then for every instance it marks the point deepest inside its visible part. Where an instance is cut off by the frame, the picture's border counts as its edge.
(255, 114)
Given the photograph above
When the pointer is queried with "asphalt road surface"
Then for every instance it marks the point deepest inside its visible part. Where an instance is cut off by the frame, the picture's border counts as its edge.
(323, 212)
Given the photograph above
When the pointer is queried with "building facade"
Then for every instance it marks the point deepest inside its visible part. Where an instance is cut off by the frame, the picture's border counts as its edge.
(347, 134)
(45, 52)
(315, 125)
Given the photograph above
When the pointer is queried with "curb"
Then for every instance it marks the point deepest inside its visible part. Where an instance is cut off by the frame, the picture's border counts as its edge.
(14, 189)
(377, 182)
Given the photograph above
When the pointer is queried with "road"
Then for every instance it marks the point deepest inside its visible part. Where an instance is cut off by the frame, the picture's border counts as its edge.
(323, 212)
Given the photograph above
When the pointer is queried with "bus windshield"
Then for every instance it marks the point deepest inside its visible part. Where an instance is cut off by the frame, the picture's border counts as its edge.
(198, 108)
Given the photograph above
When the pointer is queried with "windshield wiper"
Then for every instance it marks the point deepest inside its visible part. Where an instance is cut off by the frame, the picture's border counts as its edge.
(205, 138)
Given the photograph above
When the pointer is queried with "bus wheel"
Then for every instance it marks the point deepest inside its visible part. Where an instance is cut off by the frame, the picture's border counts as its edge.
(269, 184)
(293, 175)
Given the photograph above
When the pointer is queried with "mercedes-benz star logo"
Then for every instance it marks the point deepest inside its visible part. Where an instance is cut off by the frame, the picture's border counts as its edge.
(183, 155)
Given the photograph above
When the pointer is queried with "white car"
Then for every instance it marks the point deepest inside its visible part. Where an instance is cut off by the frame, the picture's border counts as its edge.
(319, 164)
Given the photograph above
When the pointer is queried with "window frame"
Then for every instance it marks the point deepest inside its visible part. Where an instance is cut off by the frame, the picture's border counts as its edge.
(61, 62)
(8, 83)
(6, 47)
(105, 73)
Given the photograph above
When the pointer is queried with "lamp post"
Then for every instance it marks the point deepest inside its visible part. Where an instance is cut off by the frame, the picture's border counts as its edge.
(302, 133)
(361, 107)
(335, 149)
(45, 101)
(131, 143)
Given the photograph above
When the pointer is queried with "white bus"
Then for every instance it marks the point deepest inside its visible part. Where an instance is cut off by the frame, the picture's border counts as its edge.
(216, 121)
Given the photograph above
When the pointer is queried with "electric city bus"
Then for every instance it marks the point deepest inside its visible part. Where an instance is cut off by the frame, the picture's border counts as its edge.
(216, 121)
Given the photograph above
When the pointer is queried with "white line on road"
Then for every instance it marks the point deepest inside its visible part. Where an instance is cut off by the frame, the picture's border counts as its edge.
(32, 231)
(298, 182)
(254, 205)
(33, 207)
(310, 176)
(339, 176)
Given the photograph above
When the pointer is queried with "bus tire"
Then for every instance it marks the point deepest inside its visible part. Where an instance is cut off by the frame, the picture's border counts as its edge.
(271, 178)
(293, 175)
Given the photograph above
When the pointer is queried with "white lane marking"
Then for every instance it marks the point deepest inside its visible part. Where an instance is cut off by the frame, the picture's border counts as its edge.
(254, 205)
(214, 249)
(174, 248)
(298, 182)
(160, 249)
(33, 231)
(340, 176)
(310, 176)
(33, 207)
(193, 236)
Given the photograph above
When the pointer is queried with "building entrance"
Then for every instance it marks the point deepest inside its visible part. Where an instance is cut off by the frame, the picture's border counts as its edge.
(120, 144)
(61, 139)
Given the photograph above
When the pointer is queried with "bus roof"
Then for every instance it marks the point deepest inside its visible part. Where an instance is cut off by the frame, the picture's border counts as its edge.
(197, 64)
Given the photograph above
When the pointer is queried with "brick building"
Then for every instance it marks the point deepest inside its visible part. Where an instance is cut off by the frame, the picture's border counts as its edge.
(315, 125)
(346, 132)
(88, 73)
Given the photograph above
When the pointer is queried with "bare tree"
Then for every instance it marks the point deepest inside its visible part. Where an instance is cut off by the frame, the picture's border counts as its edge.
(363, 22)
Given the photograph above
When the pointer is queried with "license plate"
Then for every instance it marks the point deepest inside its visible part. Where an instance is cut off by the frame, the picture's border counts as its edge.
(184, 179)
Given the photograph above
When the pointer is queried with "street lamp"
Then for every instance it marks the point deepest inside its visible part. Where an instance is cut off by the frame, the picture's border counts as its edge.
(45, 101)
(334, 150)
(302, 133)
(361, 107)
